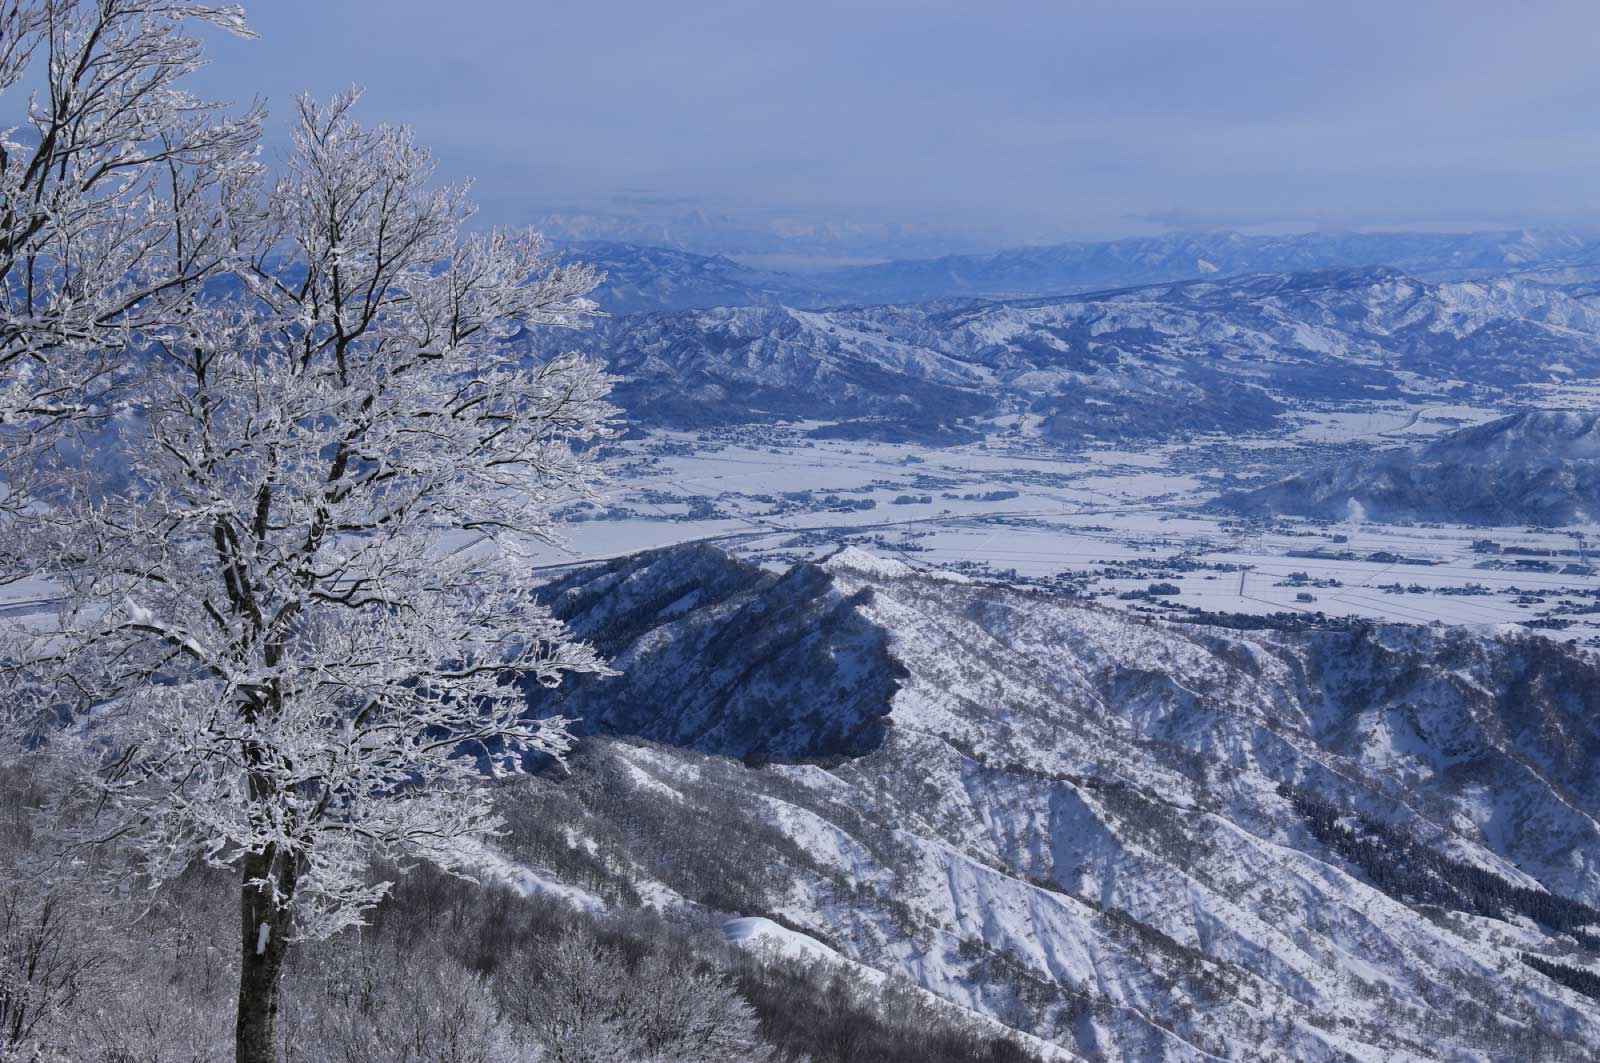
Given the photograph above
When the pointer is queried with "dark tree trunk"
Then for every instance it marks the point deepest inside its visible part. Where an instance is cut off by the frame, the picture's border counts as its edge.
(264, 932)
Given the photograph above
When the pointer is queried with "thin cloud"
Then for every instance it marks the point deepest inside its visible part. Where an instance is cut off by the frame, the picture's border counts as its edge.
(1026, 120)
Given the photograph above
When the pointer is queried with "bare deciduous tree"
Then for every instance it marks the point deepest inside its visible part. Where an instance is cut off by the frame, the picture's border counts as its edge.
(584, 1004)
(296, 633)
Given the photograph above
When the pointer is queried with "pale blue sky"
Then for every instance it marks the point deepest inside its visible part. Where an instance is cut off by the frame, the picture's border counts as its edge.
(1026, 119)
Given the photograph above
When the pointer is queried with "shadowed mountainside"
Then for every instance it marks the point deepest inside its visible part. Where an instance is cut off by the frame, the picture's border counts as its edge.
(724, 657)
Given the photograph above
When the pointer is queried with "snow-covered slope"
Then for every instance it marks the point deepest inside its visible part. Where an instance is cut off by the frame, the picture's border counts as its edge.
(1139, 840)
(1204, 355)
(1534, 467)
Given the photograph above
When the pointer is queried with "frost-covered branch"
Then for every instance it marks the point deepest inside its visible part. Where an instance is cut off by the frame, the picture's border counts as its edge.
(120, 195)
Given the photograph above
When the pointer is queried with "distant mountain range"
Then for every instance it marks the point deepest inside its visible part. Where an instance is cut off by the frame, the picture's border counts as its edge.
(1225, 355)
(761, 234)
(647, 278)
(1063, 268)
(1534, 467)
(643, 279)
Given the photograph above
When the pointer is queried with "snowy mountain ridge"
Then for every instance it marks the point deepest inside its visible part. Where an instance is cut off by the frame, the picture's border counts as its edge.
(1215, 355)
(1135, 839)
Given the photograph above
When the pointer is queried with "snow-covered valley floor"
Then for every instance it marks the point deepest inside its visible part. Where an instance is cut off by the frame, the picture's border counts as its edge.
(1131, 526)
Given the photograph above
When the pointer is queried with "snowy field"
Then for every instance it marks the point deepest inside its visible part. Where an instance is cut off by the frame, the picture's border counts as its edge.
(1128, 526)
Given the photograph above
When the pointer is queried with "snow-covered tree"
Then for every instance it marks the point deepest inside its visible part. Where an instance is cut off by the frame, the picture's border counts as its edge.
(583, 1003)
(118, 190)
(296, 633)
(402, 999)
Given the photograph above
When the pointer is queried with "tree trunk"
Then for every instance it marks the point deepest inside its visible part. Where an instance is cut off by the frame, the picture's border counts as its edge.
(264, 931)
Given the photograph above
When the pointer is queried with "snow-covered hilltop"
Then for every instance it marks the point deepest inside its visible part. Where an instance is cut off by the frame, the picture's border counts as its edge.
(1210, 355)
(1138, 840)
(1534, 467)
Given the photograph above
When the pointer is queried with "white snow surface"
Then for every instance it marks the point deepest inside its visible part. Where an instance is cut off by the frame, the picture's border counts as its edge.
(758, 932)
